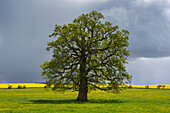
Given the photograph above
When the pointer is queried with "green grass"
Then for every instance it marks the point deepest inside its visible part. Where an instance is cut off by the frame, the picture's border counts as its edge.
(43, 101)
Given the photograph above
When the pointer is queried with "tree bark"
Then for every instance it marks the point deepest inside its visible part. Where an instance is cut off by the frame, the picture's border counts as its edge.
(83, 89)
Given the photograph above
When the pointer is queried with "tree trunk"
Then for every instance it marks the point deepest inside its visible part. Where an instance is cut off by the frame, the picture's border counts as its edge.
(83, 89)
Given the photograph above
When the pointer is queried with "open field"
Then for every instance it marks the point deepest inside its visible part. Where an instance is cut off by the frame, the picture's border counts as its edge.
(28, 85)
(43, 101)
(151, 86)
(39, 85)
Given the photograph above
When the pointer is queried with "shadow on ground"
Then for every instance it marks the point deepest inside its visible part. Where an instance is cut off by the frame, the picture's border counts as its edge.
(70, 101)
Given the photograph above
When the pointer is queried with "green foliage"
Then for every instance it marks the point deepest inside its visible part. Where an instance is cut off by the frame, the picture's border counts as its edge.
(147, 87)
(88, 52)
(19, 87)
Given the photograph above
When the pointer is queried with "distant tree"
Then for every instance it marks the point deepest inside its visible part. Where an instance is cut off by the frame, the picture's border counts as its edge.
(9, 86)
(87, 53)
(130, 86)
(24, 87)
(147, 87)
(158, 86)
(163, 86)
(19, 87)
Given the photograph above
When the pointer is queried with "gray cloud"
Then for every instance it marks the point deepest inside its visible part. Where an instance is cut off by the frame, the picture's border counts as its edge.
(148, 23)
(0, 41)
(25, 26)
(150, 70)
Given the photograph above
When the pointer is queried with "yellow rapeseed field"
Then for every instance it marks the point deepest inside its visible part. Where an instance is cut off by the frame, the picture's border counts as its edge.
(167, 86)
(27, 85)
(39, 85)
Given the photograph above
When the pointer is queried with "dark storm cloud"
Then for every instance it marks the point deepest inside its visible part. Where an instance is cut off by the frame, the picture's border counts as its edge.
(147, 22)
(24, 29)
(26, 24)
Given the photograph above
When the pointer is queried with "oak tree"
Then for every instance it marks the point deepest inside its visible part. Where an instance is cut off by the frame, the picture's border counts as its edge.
(87, 53)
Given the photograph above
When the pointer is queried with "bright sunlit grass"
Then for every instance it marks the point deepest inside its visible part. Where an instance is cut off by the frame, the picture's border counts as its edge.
(39, 100)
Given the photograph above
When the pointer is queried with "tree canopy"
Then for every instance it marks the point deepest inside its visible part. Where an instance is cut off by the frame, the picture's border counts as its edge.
(87, 53)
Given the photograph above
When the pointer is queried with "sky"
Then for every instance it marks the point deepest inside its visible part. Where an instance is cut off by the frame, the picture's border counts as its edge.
(25, 26)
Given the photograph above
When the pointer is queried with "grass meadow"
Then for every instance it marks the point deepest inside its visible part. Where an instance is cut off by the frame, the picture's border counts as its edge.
(32, 100)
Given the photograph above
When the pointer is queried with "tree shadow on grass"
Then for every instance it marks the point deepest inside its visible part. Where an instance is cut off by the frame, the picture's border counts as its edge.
(71, 101)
